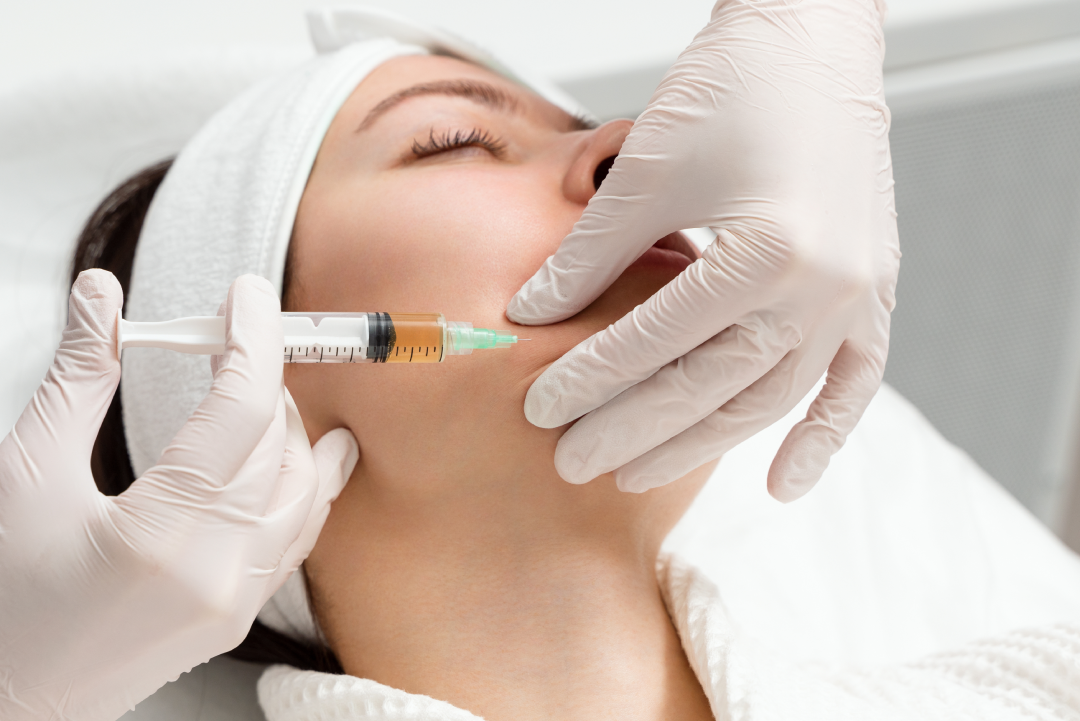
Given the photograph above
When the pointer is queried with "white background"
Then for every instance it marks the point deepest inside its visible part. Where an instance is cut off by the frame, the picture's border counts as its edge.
(563, 39)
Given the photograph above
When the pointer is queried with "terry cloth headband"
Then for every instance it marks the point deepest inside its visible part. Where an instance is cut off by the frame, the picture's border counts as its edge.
(227, 205)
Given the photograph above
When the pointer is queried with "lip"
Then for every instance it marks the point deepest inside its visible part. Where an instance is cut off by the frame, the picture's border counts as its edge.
(673, 251)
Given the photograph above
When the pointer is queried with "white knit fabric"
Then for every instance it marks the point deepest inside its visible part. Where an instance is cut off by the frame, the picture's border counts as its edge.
(290, 695)
(1030, 675)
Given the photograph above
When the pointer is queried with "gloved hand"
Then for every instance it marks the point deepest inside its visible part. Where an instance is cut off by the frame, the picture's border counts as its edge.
(105, 599)
(771, 129)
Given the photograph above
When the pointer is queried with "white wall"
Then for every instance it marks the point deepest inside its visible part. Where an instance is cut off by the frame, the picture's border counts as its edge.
(561, 38)
(564, 39)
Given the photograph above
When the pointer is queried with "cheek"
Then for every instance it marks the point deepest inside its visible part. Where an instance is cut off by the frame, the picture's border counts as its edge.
(425, 242)
(458, 240)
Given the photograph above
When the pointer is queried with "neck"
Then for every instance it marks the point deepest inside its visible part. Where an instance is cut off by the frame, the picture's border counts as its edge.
(508, 610)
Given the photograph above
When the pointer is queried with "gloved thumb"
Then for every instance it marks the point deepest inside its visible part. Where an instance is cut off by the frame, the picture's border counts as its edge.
(336, 454)
(56, 431)
(88, 346)
(76, 392)
(617, 226)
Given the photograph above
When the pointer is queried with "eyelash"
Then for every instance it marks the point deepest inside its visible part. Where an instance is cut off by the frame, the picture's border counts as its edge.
(448, 140)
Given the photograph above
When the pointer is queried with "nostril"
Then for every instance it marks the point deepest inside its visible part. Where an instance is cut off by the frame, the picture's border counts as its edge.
(601, 171)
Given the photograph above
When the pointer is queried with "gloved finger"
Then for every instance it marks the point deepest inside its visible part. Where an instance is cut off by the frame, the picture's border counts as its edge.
(62, 419)
(243, 399)
(256, 487)
(330, 464)
(676, 397)
(617, 226)
(751, 411)
(297, 470)
(709, 296)
(336, 454)
(294, 495)
(854, 378)
(183, 499)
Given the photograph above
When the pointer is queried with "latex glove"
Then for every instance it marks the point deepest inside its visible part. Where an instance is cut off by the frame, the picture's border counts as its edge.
(105, 599)
(771, 129)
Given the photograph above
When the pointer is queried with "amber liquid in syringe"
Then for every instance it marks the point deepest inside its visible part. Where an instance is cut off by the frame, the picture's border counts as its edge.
(378, 338)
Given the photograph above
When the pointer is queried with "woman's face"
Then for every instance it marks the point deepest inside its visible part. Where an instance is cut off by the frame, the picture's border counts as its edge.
(441, 187)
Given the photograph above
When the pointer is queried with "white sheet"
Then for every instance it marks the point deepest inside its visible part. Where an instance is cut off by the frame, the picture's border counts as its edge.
(905, 547)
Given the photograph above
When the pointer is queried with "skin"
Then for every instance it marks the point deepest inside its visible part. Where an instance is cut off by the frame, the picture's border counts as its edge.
(456, 563)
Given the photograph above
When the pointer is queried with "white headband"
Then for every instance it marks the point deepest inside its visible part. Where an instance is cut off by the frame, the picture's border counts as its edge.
(227, 205)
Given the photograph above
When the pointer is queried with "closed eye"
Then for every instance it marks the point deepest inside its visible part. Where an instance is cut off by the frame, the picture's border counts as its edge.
(453, 140)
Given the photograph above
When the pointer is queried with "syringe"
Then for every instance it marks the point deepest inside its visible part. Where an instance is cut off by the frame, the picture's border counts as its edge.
(328, 337)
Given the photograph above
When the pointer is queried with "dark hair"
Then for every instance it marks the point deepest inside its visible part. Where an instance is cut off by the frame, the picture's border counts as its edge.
(108, 241)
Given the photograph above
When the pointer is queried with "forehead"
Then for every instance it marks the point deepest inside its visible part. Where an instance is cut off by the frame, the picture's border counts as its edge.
(398, 75)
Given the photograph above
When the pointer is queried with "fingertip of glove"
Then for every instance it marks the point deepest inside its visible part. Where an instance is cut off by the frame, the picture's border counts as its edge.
(798, 465)
(787, 484)
(639, 481)
(339, 446)
(538, 306)
(251, 295)
(789, 490)
(97, 282)
(628, 484)
(352, 450)
(570, 468)
(531, 312)
(517, 309)
(98, 292)
(249, 283)
(93, 314)
(539, 409)
(572, 479)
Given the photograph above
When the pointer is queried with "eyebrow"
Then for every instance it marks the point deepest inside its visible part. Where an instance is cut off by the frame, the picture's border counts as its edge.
(475, 90)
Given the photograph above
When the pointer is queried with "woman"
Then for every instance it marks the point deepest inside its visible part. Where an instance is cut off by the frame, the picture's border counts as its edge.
(441, 185)
(456, 565)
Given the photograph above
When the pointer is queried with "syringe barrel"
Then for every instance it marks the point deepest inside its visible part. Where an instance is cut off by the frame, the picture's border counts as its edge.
(364, 337)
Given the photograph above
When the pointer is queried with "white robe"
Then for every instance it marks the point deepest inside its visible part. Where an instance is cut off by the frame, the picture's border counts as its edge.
(1032, 674)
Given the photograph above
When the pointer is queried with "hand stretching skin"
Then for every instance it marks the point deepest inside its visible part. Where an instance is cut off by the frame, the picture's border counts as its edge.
(105, 599)
(771, 129)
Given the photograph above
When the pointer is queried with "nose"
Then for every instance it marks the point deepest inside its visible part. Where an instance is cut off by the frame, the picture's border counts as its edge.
(594, 160)
(602, 170)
